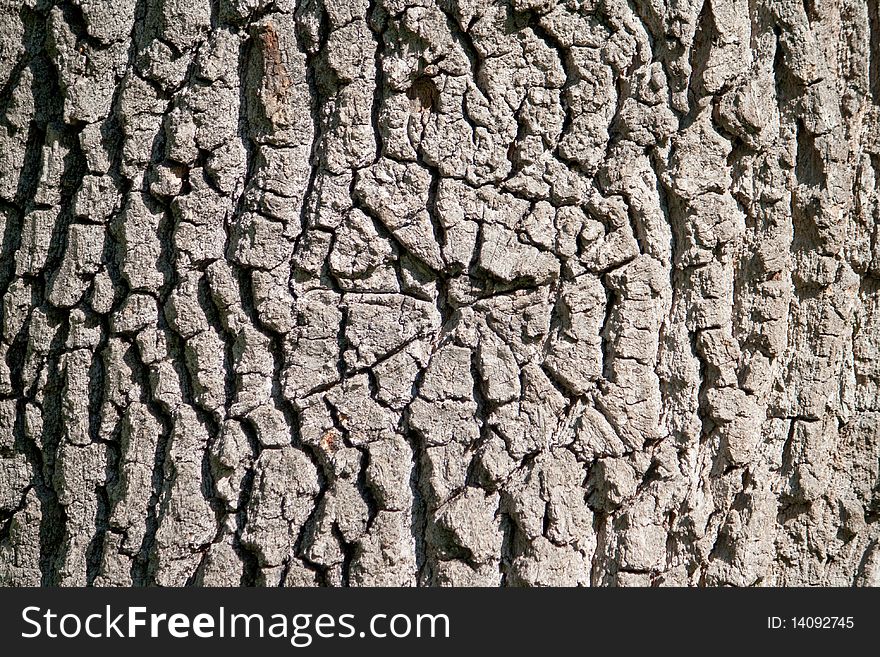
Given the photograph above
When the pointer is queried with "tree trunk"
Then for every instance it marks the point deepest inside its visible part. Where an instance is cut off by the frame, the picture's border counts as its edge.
(440, 292)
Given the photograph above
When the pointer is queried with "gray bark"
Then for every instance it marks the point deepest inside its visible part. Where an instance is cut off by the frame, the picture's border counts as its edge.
(439, 292)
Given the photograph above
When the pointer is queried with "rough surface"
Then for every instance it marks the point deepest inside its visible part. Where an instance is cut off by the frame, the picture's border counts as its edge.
(440, 292)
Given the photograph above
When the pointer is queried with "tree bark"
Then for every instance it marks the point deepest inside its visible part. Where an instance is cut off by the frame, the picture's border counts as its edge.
(439, 292)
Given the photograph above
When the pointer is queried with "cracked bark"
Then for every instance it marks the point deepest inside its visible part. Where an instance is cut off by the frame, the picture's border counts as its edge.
(424, 292)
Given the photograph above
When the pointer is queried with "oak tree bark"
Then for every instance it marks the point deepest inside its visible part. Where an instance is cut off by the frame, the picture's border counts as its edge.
(439, 292)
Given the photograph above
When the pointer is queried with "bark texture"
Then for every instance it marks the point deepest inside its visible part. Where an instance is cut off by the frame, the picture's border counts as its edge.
(439, 292)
